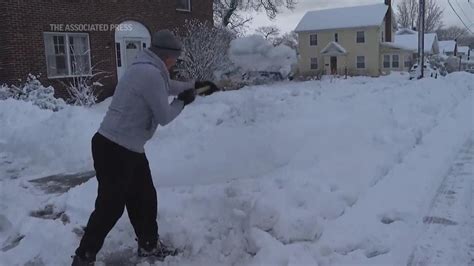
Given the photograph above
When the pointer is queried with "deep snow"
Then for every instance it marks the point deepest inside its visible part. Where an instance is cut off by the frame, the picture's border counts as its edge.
(305, 173)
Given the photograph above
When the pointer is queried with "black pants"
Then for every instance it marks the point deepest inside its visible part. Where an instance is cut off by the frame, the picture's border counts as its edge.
(124, 179)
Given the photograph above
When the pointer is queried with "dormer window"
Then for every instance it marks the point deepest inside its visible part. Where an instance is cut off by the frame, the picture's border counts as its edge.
(336, 37)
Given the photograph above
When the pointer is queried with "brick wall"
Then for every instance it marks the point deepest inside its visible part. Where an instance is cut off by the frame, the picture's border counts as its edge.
(22, 50)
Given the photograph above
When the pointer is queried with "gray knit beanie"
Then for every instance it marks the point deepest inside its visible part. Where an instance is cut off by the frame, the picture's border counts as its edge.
(166, 42)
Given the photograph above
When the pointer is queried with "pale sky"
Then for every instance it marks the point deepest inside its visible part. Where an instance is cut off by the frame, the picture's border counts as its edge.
(288, 20)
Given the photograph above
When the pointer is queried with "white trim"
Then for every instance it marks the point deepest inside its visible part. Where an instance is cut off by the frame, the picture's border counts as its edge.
(364, 37)
(311, 63)
(68, 54)
(389, 61)
(314, 34)
(185, 10)
(365, 62)
(139, 32)
(393, 61)
(70, 76)
(401, 64)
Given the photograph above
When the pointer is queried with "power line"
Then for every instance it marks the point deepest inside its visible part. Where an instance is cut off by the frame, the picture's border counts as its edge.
(462, 21)
(464, 13)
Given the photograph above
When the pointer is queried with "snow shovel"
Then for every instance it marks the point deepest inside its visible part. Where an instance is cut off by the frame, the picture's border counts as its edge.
(202, 90)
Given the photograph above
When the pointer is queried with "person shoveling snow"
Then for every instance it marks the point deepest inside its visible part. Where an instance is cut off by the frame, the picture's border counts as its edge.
(139, 105)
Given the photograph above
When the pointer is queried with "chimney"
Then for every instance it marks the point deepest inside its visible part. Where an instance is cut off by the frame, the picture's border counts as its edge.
(388, 22)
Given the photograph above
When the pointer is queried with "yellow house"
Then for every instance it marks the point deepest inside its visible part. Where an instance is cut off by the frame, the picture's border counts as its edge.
(345, 40)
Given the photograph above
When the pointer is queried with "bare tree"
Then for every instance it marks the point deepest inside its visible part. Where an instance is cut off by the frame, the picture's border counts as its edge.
(205, 50)
(289, 39)
(270, 33)
(433, 16)
(408, 15)
(451, 33)
(229, 13)
(85, 86)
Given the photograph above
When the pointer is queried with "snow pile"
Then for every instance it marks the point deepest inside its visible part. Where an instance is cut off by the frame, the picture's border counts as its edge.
(254, 53)
(33, 91)
(409, 42)
(288, 174)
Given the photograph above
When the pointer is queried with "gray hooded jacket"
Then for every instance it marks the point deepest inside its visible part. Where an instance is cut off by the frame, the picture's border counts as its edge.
(140, 103)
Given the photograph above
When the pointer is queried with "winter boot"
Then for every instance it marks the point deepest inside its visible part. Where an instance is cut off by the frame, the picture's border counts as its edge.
(159, 251)
(83, 260)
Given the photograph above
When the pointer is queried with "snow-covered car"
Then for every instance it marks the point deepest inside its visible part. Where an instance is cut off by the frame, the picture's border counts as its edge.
(262, 77)
(471, 70)
(429, 71)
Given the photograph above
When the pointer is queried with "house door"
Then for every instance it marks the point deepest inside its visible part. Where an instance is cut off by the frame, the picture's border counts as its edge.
(333, 65)
(131, 37)
(132, 47)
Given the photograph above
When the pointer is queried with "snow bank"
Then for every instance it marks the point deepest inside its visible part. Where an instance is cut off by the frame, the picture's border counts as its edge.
(267, 175)
(254, 53)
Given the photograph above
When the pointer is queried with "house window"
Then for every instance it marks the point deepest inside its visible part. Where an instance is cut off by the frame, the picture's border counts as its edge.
(383, 37)
(336, 37)
(67, 54)
(395, 61)
(386, 61)
(183, 5)
(314, 63)
(360, 62)
(119, 54)
(407, 61)
(360, 37)
(313, 39)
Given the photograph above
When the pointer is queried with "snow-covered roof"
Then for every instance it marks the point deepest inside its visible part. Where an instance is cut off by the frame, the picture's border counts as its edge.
(340, 18)
(463, 49)
(406, 31)
(333, 48)
(447, 46)
(410, 42)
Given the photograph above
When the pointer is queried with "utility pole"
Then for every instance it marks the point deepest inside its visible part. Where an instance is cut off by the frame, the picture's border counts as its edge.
(421, 38)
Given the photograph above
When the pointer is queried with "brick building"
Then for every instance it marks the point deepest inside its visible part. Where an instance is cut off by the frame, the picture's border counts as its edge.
(59, 39)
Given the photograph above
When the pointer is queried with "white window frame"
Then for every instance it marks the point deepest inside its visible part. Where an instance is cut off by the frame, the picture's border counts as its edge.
(185, 10)
(311, 63)
(365, 62)
(357, 39)
(393, 61)
(389, 61)
(310, 43)
(68, 53)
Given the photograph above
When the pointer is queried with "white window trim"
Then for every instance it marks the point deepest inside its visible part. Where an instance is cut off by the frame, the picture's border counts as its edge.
(364, 37)
(389, 61)
(399, 61)
(68, 56)
(311, 63)
(401, 64)
(185, 10)
(365, 62)
(314, 34)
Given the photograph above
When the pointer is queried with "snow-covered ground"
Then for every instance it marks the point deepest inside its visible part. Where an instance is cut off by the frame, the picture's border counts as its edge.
(325, 172)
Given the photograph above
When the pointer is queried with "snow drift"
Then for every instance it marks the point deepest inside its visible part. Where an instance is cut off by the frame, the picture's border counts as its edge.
(267, 175)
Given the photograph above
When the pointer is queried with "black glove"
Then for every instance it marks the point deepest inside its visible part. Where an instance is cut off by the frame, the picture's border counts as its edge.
(201, 84)
(187, 96)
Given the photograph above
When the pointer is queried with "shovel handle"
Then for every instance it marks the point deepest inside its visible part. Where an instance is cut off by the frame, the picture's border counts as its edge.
(203, 89)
